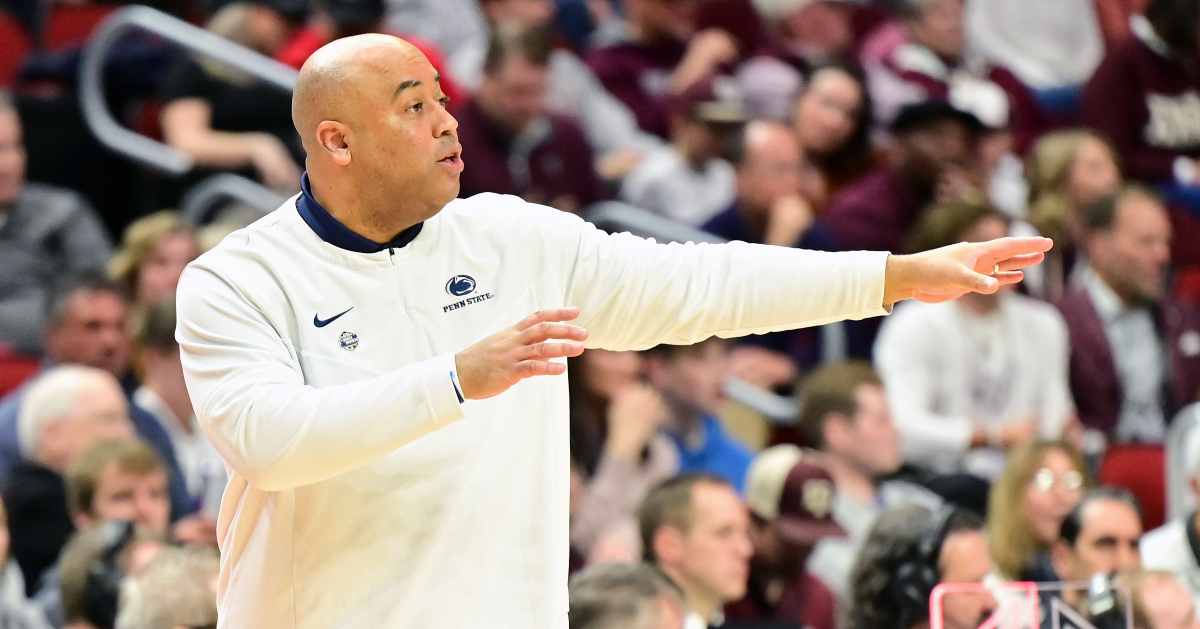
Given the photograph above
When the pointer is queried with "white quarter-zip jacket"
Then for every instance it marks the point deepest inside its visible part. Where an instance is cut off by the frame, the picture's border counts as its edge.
(364, 492)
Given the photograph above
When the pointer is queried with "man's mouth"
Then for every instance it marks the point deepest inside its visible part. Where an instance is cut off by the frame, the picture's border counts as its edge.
(453, 158)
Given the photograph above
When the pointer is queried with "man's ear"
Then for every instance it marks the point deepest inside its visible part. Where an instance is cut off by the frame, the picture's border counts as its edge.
(334, 138)
(836, 431)
(668, 545)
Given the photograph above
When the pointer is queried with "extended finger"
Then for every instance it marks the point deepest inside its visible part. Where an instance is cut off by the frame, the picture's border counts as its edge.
(1007, 248)
(531, 368)
(546, 351)
(550, 314)
(1008, 277)
(1021, 262)
(551, 330)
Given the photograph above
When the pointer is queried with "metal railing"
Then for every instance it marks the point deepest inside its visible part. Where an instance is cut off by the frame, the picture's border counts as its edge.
(125, 20)
(204, 200)
(617, 216)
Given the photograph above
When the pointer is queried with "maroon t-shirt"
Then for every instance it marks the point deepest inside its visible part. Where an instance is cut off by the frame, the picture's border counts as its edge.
(874, 213)
(638, 76)
(805, 601)
(560, 165)
(1148, 105)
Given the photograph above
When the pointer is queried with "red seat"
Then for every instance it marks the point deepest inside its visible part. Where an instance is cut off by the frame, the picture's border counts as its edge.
(14, 45)
(1142, 470)
(15, 370)
(72, 24)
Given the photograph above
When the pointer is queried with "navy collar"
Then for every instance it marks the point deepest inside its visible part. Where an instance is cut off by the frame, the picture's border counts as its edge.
(337, 234)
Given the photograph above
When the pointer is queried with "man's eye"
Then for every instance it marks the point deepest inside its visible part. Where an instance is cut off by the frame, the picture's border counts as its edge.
(445, 100)
(415, 108)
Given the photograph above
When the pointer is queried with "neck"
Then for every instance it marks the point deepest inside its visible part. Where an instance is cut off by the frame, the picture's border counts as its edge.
(178, 402)
(364, 210)
(975, 303)
(695, 600)
(850, 480)
(684, 419)
(755, 218)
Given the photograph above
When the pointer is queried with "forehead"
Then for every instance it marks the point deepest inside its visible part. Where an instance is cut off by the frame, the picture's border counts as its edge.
(1102, 518)
(1141, 213)
(714, 505)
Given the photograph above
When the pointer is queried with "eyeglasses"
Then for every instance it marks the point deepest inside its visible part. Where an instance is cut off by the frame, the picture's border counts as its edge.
(1045, 479)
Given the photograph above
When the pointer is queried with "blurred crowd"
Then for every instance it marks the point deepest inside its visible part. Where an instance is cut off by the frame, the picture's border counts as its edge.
(994, 438)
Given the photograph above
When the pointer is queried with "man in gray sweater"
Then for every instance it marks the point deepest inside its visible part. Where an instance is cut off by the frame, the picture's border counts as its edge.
(45, 233)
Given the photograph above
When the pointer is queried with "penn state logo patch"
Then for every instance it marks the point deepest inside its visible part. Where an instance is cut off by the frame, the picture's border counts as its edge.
(460, 285)
(348, 341)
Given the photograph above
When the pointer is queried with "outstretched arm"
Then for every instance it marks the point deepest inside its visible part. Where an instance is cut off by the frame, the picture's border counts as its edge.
(951, 272)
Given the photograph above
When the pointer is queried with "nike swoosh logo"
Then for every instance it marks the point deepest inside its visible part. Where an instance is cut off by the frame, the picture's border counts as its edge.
(320, 324)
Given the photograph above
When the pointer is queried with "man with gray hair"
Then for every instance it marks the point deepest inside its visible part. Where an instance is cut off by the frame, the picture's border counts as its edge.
(619, 596)
(45, 232)
(1175, 546)
(65, 411)
(177, 589)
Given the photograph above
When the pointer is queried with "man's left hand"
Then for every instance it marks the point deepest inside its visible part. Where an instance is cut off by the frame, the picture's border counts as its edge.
(951, 272)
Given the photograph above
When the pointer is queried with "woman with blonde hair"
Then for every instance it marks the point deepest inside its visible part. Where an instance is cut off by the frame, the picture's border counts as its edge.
(1042, 483)
(154, 250)
(1067, 170)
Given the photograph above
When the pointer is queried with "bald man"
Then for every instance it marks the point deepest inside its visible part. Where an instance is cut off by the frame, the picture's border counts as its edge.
(375, 360)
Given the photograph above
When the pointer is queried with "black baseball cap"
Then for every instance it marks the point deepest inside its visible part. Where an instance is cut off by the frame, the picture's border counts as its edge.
(920, 115)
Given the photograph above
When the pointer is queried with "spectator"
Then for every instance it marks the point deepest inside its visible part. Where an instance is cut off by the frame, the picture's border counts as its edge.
(45, 232)
(226, 120)
(154, 250)
(1099, 536)
(1043, 481)
(95, 562)
(119, 479)
(164, 396)
(1067, 170)
(844, 414)
(832, 121)
(931, 62)
(16, 611)
(87, 324)
(64, 412)
(177, 588)
(1159, 599)
(1170, 547)
(933, 148)
(777, 189)
(691, 381)
(1144, 96)
(661, 56)
(689, 181)
(948, 545)
(616, 595)
(1052, 47)
(810, 32)
(791, 510)
(695, 529)
(615, 438)
(513, 144)
(970, 378)
(572, 90)
(1135, 352)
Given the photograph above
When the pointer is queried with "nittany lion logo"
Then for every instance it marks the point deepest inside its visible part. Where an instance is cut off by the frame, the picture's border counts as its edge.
(460, 285)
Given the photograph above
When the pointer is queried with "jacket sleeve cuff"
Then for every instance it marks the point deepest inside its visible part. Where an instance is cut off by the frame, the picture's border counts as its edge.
(443, 390)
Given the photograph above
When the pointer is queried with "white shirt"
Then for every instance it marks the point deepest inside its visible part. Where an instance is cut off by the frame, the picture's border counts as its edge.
(948, 371)
(202, 467)
(1139, 359)
(1046, 44)
(664, 183)
(364, 493)
(1167, 548)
